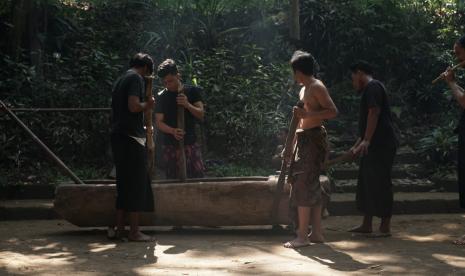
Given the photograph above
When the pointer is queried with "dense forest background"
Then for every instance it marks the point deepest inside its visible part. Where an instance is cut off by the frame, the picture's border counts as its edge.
(65, 53)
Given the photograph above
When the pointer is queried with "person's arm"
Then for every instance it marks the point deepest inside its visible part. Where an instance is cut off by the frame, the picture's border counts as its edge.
(196, 109)
(134, 86)
(372, 123)
(457, 91)
(374, 98)
(135, 106)
(357, 143)
(161, 125)
(328, 108)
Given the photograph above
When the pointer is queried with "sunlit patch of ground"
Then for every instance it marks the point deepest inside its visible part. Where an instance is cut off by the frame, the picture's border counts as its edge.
(421, 245)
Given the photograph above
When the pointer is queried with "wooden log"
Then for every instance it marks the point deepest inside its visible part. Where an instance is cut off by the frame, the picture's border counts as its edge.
(232, 202)
(182, 166)
(149, 128)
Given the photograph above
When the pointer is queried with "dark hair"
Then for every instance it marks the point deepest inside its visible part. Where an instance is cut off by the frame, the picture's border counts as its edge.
(167, 67)
(141, 60)
(304, 62)
(461, 42)
(363, 66)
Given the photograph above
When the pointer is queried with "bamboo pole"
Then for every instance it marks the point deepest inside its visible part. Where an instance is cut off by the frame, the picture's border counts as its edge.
(284, 165)
(455, 67)
(55, 158)
(182, 169)
(149, 128)
(61, 109)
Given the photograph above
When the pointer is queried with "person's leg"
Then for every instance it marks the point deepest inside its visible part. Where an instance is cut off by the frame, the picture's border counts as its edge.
(120, 224)
(317, 233)
(134, 232)
(195, 167)
(119, 150)
(304, 221)
(385, 226)
(302, 230)
(170, 159)
(461, 177)
(366, 227)
(366, 193)
(134, 224)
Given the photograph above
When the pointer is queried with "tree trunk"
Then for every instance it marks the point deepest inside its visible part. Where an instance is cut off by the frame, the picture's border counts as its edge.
(20, 10)
(294, 20)
(37, 25)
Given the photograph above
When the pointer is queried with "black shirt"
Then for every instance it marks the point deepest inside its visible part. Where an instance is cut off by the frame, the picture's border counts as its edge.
(166, 104)
(123, 120)
(374, 95)
(461, 126)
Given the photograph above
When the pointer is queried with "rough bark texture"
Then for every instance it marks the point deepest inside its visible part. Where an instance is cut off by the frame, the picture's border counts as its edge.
(294, 20)
(219, 203)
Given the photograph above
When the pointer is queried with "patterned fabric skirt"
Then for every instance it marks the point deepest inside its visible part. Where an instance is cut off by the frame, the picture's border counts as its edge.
(194, 163)
(304, 174)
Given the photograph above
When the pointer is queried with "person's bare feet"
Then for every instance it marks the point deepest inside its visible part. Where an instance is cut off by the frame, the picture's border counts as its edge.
(385, 226)
(140, 237)
(379, 235)
(316, 238)
(361, 229)
(116, 233)
(297, 243)
(385, 230)
(460, 241)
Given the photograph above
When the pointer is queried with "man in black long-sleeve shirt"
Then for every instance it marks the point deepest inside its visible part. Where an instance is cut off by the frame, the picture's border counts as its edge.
(377, 144)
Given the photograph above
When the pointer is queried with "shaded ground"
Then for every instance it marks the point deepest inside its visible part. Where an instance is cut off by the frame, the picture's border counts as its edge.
(421, 245)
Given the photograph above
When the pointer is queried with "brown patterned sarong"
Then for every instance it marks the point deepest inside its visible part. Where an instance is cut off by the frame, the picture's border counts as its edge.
(194, 163)
(304, 177)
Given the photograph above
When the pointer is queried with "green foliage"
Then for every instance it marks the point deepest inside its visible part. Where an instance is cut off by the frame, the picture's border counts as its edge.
(238, 51)
(244, 104)
(440, 144)
(405, 40)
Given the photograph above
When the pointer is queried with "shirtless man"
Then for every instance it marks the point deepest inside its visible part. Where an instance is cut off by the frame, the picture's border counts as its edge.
(459, 95)
(311, 149)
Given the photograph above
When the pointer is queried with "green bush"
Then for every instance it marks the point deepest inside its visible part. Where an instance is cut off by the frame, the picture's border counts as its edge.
(238, 51)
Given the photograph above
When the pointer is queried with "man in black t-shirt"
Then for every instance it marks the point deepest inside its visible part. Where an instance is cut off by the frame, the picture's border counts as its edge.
(176, 94)
(377, 145)
(133, 184)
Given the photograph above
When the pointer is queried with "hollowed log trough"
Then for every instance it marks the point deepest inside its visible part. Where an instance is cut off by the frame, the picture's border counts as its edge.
(196, 202)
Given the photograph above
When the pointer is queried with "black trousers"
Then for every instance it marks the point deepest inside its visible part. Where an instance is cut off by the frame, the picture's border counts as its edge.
(133, 184)
(374, 188)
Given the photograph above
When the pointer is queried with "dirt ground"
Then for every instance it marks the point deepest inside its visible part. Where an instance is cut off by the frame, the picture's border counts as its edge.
(421, 245)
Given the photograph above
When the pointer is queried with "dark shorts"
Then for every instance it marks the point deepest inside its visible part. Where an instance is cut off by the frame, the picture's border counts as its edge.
(194, 163)
(133, 183)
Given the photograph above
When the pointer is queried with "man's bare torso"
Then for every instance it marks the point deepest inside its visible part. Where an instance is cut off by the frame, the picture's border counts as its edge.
(311, 104)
